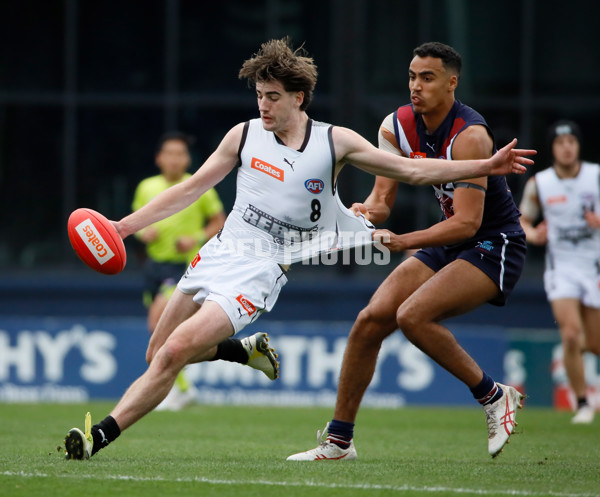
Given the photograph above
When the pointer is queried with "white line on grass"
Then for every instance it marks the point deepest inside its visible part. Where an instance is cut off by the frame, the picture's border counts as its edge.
(349, 486)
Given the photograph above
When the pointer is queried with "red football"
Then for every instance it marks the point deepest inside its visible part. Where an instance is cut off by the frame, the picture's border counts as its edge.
(96, 241)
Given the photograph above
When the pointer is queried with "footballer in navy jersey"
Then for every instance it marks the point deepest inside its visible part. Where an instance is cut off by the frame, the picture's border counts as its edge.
(500, 211)
(477, 250)
(499, 237)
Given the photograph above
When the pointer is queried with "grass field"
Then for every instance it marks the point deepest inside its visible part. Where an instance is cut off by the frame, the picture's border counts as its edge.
(225, 451)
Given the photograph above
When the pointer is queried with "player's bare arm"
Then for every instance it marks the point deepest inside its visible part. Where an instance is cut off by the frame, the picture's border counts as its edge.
(351, 147)
(468, 201)
(179, 196)
(378, 205)
(530, 211)
(469, 195)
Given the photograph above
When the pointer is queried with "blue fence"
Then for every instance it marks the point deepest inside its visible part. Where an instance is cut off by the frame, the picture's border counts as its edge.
(74, 359)
(73, 339)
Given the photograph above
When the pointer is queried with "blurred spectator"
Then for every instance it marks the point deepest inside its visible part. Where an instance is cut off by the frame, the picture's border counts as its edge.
(567, 195)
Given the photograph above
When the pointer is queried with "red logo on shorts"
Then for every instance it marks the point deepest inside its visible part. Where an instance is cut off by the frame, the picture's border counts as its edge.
(417, 155)
(195, 260)
(246, 304)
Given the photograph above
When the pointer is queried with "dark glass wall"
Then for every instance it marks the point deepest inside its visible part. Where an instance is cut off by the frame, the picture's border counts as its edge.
(86, 88)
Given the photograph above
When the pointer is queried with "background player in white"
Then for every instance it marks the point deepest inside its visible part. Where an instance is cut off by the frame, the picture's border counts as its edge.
(205, 313)
(567, 195)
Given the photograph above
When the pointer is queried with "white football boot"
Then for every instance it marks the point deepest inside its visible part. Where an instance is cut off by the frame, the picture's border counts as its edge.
(500, 417)
(79, 445)
(584, 415)
(326, 451)
(260, 355)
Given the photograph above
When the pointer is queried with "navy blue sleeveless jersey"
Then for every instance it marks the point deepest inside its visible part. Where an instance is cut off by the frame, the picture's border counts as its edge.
(500, 213)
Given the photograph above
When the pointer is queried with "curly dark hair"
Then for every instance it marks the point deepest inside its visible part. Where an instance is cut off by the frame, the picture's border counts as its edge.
(277, 61)
(451, 59)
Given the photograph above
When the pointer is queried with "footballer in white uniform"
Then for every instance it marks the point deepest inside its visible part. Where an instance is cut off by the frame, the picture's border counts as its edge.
(568, 196)
(286, 210)
(573, 250)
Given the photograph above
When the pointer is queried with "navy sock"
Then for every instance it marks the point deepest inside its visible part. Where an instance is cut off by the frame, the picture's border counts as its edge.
(487, 391)
(231, 350)
(104, 433)
(340, 433)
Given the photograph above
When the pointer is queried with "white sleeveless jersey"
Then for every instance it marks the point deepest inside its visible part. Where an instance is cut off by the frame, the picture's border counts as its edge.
(286, 205)
(564, 202)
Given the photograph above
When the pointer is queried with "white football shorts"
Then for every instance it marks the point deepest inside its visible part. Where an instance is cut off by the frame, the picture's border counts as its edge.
(573, 281)
(244, 286)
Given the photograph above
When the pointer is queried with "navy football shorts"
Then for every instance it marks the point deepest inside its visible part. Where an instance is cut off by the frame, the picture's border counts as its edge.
(501, 257)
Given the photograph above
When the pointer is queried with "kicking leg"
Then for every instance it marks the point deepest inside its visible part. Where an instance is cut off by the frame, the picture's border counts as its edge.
(194, 340)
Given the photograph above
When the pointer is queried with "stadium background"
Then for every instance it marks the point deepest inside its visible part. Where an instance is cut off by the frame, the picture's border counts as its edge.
(86, 88)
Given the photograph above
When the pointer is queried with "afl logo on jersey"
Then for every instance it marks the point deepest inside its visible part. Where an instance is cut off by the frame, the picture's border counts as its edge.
(314, 185)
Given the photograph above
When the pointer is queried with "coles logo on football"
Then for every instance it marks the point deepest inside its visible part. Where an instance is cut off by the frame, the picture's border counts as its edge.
(314, 185)
(246, 304)
(94, 241)
(266, 168)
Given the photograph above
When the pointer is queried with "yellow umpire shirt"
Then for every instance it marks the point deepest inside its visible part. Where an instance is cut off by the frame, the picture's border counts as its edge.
(188, 222)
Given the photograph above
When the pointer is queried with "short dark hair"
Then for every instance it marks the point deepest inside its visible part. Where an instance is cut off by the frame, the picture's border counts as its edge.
(277, 61)
(188, 140)
(563, 127)
(451, 59)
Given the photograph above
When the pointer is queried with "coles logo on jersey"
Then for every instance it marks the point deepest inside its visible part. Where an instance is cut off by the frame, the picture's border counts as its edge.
(417, 155)
(94, 241)
(266, 168)
(246, 304)
(314, 185)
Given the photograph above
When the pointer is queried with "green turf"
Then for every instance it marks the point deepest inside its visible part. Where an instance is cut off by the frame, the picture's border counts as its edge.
(226, 451)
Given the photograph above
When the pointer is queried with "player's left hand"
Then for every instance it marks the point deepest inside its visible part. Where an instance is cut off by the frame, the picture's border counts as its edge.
(510, 160)
(389, 240)
(592, 219)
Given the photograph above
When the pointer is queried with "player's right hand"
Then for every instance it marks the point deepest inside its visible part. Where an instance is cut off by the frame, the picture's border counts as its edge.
(539, 235)
(359, 209)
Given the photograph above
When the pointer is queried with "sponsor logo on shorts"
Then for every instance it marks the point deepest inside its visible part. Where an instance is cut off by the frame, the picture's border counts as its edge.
(314, 185)
(417, 155)
(94, 241)
(246, 304)
(266, 168)
(195, 260)
(486, 245)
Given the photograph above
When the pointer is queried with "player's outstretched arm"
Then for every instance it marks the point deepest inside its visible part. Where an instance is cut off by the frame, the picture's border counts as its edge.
(351, 147)
(178, 197)
(510, 160)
